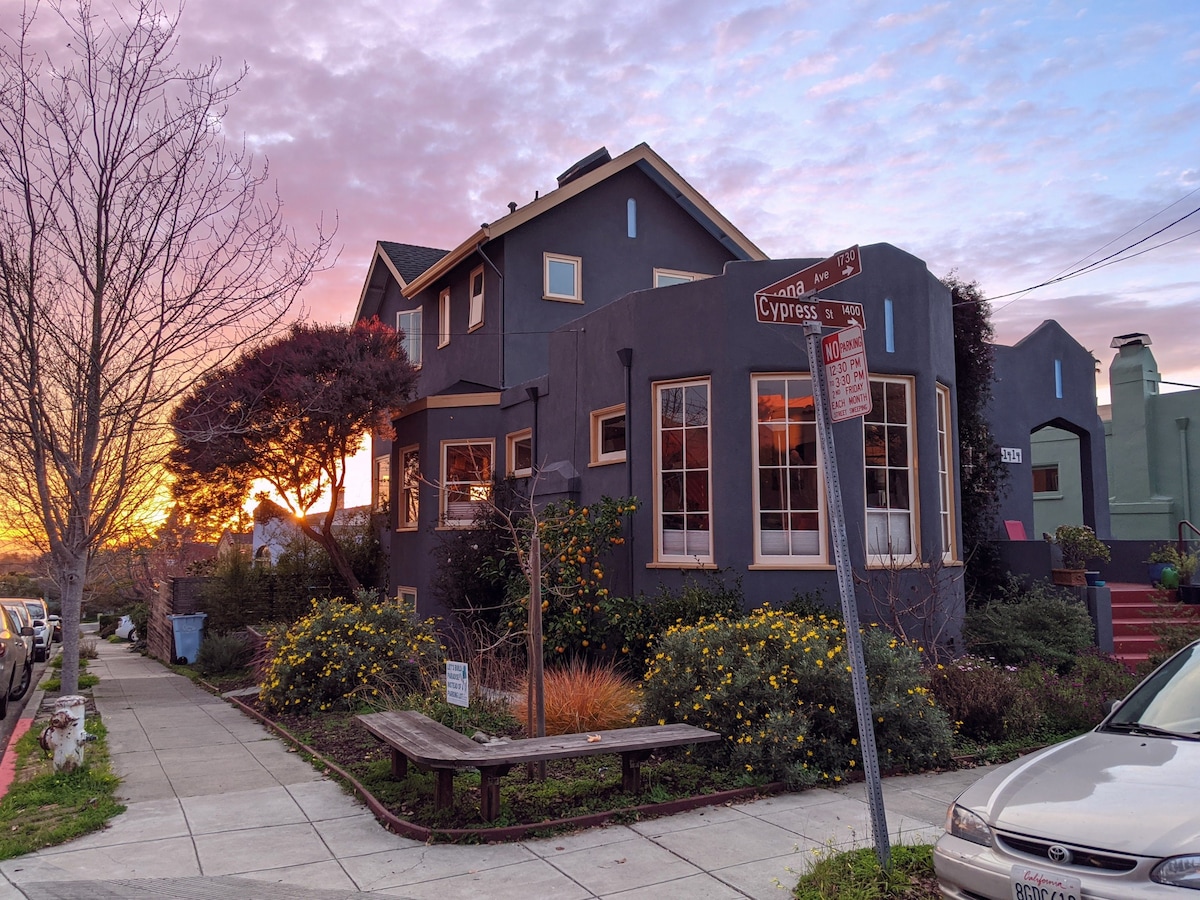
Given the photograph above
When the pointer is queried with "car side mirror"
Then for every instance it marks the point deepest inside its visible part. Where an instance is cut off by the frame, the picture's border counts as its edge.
(1111, 706)
(26, 631)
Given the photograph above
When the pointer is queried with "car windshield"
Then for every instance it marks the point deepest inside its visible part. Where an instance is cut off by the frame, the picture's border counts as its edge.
(35, 611)
(1168, 701)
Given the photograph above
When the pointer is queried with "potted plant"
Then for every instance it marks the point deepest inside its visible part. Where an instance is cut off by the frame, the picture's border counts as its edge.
(1078, 544)
(1177, 570)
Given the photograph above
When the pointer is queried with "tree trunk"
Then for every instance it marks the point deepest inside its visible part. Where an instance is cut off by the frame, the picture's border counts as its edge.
(70, 573)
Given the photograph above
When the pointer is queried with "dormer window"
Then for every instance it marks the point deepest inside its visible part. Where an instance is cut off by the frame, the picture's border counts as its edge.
(563, 278)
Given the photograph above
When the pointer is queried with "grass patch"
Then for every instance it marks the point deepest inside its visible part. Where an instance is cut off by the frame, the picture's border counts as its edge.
(86, 682)
(856, 875)
(44, 808)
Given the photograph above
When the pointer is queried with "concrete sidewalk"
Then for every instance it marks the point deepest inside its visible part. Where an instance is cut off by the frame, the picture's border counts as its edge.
(218, 808)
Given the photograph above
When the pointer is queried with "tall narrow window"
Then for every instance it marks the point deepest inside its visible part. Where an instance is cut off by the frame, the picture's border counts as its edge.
(519, 453)
(408, 323)
(789, 528)
(563, 277)
(631, 217)
(410, 488)
(888, 464)
(444, 317)
(382, 485)
(466, 480)
(946, 474)
(476, 319)
(684, 474)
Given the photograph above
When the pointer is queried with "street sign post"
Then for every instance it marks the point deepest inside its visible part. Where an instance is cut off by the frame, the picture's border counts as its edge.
(790, 301)
(845, 356)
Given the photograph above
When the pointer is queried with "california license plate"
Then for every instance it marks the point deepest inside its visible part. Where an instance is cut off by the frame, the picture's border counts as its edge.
(1036, 884)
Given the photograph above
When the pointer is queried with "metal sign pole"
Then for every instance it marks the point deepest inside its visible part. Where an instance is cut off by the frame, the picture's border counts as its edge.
(841, 555)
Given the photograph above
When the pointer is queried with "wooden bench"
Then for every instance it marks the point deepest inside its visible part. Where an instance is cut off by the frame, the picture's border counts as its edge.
(430, 745)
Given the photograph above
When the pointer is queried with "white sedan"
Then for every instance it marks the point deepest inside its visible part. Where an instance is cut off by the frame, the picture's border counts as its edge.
(1113, 814)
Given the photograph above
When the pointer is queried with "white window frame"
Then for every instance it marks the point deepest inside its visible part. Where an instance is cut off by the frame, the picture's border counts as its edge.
(411, 342)
(675, 276)
(887, 515)
(406, 593)
(599, 418)
(381, 482)
(784, 548)
(510, 453)
(409, 488)
(576, 296)
(443, 317)
(698, 551)
(475, 307)
(461, 513)
(947, 521)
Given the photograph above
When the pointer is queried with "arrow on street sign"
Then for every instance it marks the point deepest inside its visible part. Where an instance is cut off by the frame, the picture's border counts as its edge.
(818, 276)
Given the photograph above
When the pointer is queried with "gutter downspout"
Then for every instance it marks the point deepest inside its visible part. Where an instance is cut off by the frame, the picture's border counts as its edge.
(500, 331)
(625, 354)
(1184, 473)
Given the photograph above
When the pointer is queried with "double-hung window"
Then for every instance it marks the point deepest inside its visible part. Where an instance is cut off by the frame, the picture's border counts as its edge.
(408, 323)
(410, 488)
(888, 445)
(476, 305)
(683, 476)
(790, 515)
(466, 480)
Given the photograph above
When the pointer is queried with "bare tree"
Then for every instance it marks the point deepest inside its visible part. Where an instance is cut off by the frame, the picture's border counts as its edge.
(137, 251)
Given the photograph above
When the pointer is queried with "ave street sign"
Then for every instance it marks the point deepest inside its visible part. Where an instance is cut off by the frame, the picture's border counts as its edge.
(816, 277)
(845, 355)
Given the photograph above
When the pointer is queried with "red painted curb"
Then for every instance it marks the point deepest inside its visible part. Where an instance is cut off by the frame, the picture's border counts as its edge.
(8, 764)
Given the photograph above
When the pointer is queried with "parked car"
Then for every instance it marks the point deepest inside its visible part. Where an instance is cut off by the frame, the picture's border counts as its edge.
(56, 627)
(17, 606)
(41, 628)
(16, 665)
(1113, 814)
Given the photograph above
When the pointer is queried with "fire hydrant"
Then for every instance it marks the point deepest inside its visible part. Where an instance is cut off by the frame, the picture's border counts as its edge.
(65, 736)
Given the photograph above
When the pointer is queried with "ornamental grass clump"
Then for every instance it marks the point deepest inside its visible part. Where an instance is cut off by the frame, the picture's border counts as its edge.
(343, 652)
(777, 687)
(583, 696)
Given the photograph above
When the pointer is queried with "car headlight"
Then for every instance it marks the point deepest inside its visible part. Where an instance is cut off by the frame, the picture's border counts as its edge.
(962, 823)
(1179, 871)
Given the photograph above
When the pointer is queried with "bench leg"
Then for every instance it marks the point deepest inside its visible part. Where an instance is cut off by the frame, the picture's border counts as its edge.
(631, 770)
(443, 789)
(489, 791)
(399, 765)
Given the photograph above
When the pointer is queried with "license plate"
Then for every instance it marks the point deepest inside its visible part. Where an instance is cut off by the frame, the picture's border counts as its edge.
(1037, 884)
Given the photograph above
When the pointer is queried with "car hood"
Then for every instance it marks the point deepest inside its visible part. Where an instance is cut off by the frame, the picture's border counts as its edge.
(1120, 792)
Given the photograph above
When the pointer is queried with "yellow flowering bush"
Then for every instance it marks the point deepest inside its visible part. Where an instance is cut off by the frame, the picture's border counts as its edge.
(777, 687)
(342, 650)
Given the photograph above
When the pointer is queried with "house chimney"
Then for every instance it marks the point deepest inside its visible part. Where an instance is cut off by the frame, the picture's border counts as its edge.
(512, 207)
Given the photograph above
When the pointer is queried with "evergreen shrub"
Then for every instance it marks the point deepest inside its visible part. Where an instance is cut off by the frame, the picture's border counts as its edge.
(1036, 624)
(777, 687)
(344, 651)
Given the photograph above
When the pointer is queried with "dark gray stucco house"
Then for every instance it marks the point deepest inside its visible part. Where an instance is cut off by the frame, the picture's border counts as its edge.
(602, 340)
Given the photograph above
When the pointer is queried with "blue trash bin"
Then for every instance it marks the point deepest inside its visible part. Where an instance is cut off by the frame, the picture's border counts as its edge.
(188, 630)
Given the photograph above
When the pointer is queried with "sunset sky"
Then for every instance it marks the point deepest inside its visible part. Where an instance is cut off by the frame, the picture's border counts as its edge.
(1013, 141)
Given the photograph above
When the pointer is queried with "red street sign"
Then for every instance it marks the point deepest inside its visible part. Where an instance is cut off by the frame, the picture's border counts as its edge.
(816, 277)
(845, 356)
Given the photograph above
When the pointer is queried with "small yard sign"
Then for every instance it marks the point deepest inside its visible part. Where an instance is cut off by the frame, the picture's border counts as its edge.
(458, 689)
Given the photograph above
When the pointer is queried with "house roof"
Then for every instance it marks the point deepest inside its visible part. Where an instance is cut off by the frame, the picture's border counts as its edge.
(404, 261)
(577, 179)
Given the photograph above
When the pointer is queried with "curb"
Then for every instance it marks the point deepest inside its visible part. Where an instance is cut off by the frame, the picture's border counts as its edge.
(8, 762)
